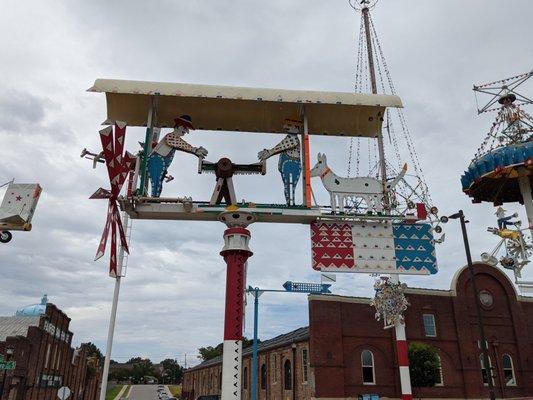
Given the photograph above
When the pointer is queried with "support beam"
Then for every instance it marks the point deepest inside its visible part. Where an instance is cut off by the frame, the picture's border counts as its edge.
(402, 354)
(148, 140)
(525, 189)
(306, 164)
(235, 252)
(373, 83)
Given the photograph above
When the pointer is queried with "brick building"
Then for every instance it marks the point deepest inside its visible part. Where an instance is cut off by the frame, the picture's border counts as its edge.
(38, 339)
(346, 353)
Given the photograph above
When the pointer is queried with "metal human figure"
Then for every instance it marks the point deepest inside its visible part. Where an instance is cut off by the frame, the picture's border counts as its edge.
(503, 221)
(161, 156)
(289, 165)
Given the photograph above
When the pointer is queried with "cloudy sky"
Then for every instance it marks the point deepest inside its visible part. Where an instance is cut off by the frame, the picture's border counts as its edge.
(172, 298)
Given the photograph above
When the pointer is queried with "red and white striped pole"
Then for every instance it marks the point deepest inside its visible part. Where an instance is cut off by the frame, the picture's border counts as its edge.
(235, 252)
(403, 357)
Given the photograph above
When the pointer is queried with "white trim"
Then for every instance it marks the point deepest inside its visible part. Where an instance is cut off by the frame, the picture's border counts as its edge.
(432, 315)
(512, 370)
(373, 366)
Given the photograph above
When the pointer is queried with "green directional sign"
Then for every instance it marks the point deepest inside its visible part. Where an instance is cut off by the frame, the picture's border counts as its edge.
(6, 364)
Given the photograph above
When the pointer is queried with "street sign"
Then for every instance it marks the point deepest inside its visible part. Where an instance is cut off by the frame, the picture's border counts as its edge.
(6, 365)
(306, 287)
(63, 393)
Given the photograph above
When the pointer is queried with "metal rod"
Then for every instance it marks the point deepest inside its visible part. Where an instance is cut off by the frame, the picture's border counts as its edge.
(254, 354)
(306, 163)
(372, 70)
(147, 144)
(525, 189)
(113, 317)
(484, 349)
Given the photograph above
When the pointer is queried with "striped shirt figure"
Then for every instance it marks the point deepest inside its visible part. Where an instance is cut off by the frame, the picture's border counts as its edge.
(289, 164)
(161, 156)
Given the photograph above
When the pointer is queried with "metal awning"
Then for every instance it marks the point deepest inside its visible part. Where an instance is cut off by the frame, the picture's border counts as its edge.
(243, 109)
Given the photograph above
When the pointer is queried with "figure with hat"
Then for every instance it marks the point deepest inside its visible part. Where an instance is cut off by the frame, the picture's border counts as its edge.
(289, 164)
(161, 156)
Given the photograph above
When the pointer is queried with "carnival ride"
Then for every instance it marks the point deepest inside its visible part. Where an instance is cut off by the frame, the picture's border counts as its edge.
(374, 224)
(17, 208)
(502, 172)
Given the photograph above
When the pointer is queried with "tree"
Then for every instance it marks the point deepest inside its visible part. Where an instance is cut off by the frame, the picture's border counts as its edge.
(93, 351)
(424, 365)
(142, 367)
(172, 371)
(209, 352)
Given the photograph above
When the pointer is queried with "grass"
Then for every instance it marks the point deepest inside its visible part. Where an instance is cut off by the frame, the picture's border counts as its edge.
(113, 392)
(175, 390)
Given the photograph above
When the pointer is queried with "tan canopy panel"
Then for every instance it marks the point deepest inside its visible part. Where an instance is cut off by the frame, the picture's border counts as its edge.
(245, 109)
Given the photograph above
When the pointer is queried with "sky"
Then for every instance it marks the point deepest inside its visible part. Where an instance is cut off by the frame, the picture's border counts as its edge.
(172, 299)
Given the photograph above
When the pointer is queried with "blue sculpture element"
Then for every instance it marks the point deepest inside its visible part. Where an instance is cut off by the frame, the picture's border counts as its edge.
(162, 155)
(33, 310)
(500, 158)
(289, 164)
(414, 247)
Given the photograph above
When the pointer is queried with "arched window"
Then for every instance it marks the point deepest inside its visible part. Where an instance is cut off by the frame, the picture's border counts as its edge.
(287, 373)
(263, 377)
(484, 370)
(245, 378)
(367, 365)
(440, 380)
(508, 370)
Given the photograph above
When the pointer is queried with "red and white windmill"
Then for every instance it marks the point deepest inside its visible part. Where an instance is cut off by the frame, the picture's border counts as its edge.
(119, 165)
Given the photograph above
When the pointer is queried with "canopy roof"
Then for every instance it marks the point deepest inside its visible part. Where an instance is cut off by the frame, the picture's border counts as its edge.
(245, 109)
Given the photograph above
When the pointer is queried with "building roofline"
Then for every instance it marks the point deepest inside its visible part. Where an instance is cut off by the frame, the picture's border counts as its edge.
(295, 336)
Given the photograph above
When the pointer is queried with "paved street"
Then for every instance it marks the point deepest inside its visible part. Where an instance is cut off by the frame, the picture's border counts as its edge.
(145, 392)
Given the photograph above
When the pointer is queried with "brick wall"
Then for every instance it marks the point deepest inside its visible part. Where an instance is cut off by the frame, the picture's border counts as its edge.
(44, 354)
(341, 328)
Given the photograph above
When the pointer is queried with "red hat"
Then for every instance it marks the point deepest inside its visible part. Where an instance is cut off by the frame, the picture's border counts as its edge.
(183, 120)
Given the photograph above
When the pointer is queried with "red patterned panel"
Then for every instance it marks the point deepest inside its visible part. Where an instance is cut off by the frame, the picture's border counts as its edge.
(332, 246)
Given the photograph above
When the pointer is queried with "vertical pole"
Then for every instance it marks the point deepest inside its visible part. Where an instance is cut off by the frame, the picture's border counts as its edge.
(306, 164)
(372, 70)
(147, 144)
(254, 354)
(525, 189)
(235, 252)
(478, 307)
(401, 350)
(112, 318)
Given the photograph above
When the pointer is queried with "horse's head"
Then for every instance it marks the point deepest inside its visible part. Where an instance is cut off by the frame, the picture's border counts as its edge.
(321, 165)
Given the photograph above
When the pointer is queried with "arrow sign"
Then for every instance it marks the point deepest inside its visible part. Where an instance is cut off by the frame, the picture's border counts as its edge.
(306, 287)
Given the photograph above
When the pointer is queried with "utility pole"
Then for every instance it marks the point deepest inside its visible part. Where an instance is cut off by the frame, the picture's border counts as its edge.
(460, 215)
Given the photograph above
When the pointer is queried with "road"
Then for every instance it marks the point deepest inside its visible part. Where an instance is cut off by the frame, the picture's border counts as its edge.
(145, 392)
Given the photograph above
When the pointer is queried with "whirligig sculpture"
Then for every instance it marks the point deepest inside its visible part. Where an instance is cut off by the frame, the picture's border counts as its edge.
(502, 170)
(17, 208)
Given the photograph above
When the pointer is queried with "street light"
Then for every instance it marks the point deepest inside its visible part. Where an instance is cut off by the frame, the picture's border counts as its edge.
(290, 287)
(460, 215)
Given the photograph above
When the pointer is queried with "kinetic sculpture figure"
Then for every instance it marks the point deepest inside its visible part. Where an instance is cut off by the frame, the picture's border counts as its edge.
(161, 156)
(289, 164)
(369, 189)
(517, 249)
(17, 208)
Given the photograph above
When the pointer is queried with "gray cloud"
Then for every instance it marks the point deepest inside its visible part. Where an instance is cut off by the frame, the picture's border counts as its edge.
(172, 299)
